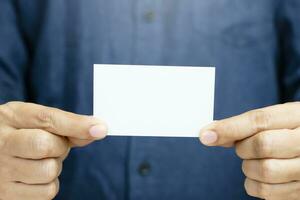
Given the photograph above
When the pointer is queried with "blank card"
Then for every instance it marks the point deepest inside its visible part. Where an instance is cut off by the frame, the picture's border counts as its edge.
(139, 100)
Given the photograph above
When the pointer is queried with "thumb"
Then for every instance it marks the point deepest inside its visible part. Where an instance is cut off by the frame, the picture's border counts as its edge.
(32, 116)
(212, 135)
(230, 130)
(97, 132)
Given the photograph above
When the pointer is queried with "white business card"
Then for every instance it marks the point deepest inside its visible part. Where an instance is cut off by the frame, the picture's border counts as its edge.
(139, 100)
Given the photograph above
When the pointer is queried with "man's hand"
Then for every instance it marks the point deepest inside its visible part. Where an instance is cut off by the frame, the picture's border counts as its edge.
(268, 141)
(34, 141)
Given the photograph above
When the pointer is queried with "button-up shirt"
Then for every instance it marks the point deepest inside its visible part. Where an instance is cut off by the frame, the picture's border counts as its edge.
(48, 48)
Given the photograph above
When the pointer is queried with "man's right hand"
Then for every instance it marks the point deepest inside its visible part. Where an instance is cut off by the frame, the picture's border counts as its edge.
(34, 141)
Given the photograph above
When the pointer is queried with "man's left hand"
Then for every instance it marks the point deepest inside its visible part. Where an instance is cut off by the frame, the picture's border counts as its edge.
(268, 141)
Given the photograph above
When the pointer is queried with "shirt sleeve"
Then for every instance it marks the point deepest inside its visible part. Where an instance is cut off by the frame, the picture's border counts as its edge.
(13, 55)
(289, 39)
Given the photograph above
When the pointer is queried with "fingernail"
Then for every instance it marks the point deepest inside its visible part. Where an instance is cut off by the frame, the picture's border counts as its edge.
(208, 137)
(98, 131)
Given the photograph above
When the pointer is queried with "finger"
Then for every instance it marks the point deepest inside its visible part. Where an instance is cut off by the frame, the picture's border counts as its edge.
(283, 143)
(33, 171)
(284, 116)
(272, 170)
(35, 144)
(16, 191)
(257, 189)
(79, 142)
(65, 155)
(228, 145)
(33, 116)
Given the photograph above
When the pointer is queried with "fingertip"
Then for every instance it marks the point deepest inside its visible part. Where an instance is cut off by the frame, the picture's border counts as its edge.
(98, 131)
(208, 137)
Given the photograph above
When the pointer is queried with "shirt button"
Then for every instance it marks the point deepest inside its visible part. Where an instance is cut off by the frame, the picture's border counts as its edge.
(149, 16)
(144, 169)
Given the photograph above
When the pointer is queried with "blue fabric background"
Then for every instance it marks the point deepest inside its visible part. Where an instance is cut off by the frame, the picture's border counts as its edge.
(48, 48)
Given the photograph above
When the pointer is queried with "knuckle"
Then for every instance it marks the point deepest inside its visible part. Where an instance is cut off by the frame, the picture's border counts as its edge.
(64, 146)
(46, 118)
(247, 188)
(245, 164)
(5, 172)
(260, 120)
(5, 141)
(51, 169)
(262, 146)
(239, 151)
(264, 190)
(2, 190)
(248, 191)
(66, 152)
(52, 190)
(7, 111)
(268, 170)
(41, 143)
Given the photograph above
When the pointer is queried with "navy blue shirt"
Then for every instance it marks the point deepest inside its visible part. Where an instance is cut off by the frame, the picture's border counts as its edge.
(48, 48)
